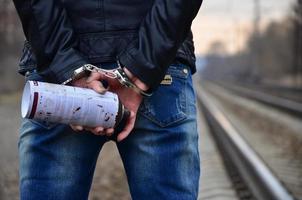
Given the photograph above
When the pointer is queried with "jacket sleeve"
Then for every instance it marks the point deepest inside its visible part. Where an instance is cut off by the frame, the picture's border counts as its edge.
(161, 33)
(47, 28)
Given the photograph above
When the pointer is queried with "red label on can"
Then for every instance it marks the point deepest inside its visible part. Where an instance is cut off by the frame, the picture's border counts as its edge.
(35, 104)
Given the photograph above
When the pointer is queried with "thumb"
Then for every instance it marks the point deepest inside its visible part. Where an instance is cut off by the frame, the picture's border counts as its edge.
(94, 76)
(128, 127)
(97, 86)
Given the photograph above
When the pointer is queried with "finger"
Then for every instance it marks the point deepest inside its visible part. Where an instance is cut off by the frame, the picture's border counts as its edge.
(97, 130)
(103, 78)
(80, 82)
(97, 86)
(94, 76)
(109, 132)
(128, 128)
(76, 128)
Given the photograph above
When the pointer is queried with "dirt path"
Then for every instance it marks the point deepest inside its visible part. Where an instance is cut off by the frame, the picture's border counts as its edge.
(109, 181)
(9, 124)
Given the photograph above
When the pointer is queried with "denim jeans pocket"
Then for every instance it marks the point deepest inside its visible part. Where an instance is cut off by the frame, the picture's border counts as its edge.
(167, 105)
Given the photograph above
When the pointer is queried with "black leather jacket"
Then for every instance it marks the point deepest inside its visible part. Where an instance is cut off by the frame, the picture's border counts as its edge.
(145, 35)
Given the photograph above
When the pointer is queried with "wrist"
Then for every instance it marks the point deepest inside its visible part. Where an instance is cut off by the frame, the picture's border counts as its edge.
(141, 85)
(131, 81)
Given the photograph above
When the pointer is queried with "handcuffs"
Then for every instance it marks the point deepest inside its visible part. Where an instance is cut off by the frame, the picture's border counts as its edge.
(117, 73)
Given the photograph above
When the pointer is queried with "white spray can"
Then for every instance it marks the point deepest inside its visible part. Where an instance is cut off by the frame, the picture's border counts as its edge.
(71, 105)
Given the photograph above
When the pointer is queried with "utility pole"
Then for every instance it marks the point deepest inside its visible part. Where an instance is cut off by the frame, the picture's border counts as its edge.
(256, 33)
(257, 16)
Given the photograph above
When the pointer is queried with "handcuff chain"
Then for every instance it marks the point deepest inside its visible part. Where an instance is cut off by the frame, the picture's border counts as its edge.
(107, 72)
(120, 75)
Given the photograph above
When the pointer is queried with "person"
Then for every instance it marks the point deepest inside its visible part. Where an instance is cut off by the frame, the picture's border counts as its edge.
(153, 42)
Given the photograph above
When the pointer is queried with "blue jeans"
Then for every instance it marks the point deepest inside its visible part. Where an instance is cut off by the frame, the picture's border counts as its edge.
(160, 156)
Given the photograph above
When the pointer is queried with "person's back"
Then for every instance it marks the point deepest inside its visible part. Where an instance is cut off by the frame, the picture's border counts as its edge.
(102, 31)
(153, 41)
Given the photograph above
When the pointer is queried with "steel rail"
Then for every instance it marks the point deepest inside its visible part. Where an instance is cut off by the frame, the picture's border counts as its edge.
(278, 102)
(257, 176)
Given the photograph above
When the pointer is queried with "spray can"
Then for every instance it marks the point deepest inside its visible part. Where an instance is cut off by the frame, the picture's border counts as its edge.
(71, 105)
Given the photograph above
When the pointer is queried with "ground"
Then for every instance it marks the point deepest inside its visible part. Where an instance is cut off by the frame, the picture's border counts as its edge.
(109, 181)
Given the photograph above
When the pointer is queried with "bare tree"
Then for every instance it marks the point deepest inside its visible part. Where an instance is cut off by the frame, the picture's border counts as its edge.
(298, 41)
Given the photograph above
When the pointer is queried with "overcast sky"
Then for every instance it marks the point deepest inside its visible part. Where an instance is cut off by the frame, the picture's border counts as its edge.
(230, 21)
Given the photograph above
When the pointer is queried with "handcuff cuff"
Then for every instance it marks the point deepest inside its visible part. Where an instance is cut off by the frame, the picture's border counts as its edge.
(117, 73)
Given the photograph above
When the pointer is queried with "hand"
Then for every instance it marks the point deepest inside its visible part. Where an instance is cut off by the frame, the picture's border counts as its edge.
(96, 85)
(128, 97)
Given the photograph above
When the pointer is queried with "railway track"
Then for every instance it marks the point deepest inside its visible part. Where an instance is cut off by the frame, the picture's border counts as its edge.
(251, 177)
(291, 93)
(269, 96)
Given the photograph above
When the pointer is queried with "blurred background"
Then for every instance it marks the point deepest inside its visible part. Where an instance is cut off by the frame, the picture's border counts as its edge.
(255, 40)
(257, 43)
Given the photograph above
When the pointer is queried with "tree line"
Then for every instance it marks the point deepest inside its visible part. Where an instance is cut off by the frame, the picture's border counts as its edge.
(272, 56)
